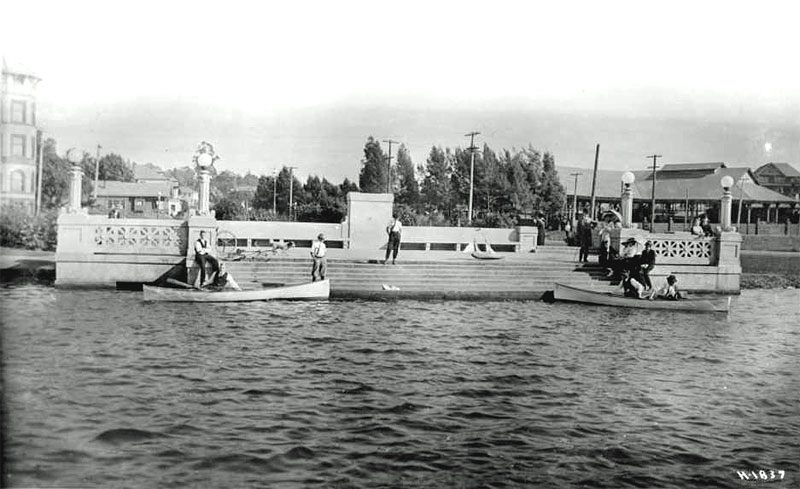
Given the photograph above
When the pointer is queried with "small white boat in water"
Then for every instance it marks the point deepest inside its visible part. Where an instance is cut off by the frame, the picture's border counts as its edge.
(701, 304)
(319, 290)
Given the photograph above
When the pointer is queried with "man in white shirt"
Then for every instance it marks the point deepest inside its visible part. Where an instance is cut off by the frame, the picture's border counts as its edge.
(318, 252)
(203, 256)
(394, 229)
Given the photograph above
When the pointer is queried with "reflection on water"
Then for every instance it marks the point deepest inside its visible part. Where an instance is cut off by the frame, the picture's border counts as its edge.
(104, 390)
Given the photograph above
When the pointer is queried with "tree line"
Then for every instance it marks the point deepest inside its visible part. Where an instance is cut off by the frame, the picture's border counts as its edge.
(507, 185)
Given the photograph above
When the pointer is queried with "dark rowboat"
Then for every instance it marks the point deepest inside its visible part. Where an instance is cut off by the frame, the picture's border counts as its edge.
(319, 290)
(574, 294)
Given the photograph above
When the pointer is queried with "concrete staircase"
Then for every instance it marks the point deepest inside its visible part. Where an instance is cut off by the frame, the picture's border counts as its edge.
(422, 275)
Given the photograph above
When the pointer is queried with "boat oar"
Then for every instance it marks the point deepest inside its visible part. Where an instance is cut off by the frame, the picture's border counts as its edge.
(177, 282)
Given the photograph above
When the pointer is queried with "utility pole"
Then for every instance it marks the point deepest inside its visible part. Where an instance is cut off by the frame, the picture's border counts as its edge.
(653, 196)
(389, 165)
(594, 177)
(575, 195)
(96, 172)
(471, 149)
(291, 185)
(275, 191)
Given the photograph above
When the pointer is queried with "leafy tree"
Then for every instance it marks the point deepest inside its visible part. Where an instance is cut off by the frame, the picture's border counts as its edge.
(229, 210)
(264, 191)
(347, 186)
(436, 186)
(224, 183)
(185, 176)
(56, 177)
(551, 191)
(408, 187)
(114, 167)
(374, 174)
(263, 198)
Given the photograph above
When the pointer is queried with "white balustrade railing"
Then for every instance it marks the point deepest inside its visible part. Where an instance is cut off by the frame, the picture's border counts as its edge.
(145, 235)
(688, 251)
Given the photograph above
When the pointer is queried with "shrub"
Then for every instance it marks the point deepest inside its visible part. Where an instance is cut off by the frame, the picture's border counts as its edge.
(19, 229)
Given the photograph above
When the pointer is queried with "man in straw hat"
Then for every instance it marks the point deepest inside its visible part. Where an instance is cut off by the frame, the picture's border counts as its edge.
(318, 251)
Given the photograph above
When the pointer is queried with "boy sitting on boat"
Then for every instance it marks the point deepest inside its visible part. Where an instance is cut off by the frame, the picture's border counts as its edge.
(632, 286)
(670, 290)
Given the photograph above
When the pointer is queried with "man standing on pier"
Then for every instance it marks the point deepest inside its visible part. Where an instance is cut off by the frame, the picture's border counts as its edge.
(202, 256)
(320, 265)
(394, 229)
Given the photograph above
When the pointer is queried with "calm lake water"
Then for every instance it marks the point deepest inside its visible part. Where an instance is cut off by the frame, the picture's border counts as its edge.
(104, 390)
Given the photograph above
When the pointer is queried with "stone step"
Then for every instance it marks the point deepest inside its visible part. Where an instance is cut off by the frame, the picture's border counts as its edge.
(453, 277)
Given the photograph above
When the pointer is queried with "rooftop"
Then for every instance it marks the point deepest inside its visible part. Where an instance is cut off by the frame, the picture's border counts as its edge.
(671, 185)
(785, 168)
(112, 188)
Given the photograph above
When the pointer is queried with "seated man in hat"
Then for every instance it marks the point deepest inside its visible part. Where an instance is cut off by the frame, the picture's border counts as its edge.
(320, 265)
(647, 262)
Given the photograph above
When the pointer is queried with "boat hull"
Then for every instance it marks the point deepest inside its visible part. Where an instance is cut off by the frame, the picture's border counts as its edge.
(320, 290)
(569, 293)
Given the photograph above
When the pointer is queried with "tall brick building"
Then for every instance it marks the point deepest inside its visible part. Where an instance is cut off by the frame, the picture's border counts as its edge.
(18, 137)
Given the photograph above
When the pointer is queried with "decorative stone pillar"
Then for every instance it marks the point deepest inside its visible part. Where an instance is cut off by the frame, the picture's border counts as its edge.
(627, 199)
(75, 178)
(205, 192)
(726, 204)
(527, 236)
(75, 156)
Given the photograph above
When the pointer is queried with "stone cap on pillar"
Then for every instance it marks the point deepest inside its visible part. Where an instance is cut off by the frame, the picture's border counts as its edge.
(369, 197)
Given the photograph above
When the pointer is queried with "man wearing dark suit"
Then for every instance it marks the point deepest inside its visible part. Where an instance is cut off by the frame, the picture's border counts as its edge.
(648, 262)
(202, 256)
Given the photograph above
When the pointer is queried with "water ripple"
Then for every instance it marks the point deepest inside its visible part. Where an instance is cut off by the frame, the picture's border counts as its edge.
(99, 392)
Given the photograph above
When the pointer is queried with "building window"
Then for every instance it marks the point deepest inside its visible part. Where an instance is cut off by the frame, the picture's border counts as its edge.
(17, 145)
(17, 182)
(17, 112)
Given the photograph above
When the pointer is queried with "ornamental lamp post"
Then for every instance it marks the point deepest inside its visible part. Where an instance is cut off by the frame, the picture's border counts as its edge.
(627, 199)
(204, 162)
(727, 199)
(76, 175)
(741, 182)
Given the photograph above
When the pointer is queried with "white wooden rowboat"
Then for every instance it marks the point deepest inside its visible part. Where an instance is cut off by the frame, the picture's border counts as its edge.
(705, 304)
(319, 290)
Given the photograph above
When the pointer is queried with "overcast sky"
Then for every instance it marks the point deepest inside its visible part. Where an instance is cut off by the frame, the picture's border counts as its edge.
(305, 83)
